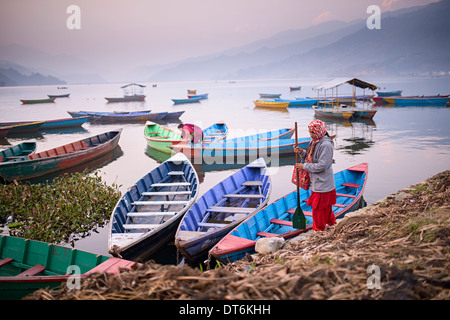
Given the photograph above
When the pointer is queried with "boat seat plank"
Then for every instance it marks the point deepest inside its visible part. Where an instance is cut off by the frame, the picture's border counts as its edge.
(157, 202)
(140, 226)
(252, 184)
(166, 193)
(152, 132)
(281, 222)
(351, 185)
(306, 213)
(212, 225)
(267, 234)
(230, 209)
(5, 261)
(185, 235)
(171, 184)
(32, 271)
(339, 205)
(176, 173)
(345, 195)
(255, 196)
(150, 214)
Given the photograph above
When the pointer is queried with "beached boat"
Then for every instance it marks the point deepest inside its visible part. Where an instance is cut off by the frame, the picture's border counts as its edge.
(275, 220)
(147, 215)
(60, 158)
(23, 128)
(222, 208)
(202, 96)
(58, 95)
(18, 150)
(132, 92)
(52, 124)
(389, 93)
(416, 101)
(161, 138)
(29, 265)
(271, 104)
(188, 100)
(269, 95)
(120, 116)
(35, 101)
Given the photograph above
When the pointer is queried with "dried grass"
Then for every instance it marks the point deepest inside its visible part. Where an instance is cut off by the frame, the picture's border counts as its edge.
(407, 237)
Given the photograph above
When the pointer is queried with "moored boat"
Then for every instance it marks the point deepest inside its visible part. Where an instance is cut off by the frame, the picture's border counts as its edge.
(333, 113)
(36, 101)
(414, 101)
(15, 128)
(120, 116)
(188, 100)
(18, 150)
(270, 95)
(60, 158)
(389, 93)
(132, 92)
(298, 102)
(58, 95)
(271, 104)
(28, 265)
(52, 124)
(222, 208)
(201, 96)
(275, 220)
(147, 215)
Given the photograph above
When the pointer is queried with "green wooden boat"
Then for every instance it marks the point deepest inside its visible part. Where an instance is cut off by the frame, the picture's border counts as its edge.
(29, 265)
(159, 137)
(35, 101)
(17, 151)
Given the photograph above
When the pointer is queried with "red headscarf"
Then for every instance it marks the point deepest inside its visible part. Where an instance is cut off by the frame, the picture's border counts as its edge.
(319, 130)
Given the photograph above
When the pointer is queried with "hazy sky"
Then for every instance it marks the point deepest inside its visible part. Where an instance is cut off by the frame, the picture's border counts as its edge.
(159, 31)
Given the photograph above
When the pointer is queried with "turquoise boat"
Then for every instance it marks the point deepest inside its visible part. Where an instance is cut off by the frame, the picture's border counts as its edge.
(299, 102)
(29, 265)
(275, 220)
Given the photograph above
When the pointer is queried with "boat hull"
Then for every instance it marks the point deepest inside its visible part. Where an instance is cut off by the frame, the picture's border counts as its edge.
(419, 101)
(333, 114)
(350, 185)
(58, 159)
(53, 261)
(36, 101)
(271, 104)
(220, 209)
(136, 232)
(126, 98)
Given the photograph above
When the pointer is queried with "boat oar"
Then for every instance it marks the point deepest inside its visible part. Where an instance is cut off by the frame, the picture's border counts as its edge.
(298, 219)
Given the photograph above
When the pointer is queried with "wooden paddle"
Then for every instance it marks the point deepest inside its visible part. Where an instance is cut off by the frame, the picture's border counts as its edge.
(298, 219)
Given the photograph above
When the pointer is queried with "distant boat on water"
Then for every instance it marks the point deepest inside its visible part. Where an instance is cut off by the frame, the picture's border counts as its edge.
(389, 93)
(58, 95)
(35, 101)
(269, 95)
(132, 92)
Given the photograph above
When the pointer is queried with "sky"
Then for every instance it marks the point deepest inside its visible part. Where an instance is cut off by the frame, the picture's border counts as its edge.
(151, 32)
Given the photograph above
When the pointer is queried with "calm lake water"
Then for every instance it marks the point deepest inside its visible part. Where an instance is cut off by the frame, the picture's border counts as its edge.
(403, 145)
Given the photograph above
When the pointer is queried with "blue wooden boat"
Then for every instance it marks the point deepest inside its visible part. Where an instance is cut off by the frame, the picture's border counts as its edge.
(21, 128)
(222, 208)
(275, 220)
(52, 124)
(418, 101)
(173, 115)
(299, 102)
(389, 93)
(202, 96)
(120, 116)
(59, 95)
(216, 132)
(18, 150)
(147, 215)
(188, 100)
(242, 148)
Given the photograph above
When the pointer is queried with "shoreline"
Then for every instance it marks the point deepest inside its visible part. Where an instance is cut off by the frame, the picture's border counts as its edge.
(395, 248)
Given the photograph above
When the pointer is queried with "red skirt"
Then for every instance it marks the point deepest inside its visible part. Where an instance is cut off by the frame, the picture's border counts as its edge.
(322, 211)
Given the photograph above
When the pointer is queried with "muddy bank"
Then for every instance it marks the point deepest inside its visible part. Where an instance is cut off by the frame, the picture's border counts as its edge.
(397, 248)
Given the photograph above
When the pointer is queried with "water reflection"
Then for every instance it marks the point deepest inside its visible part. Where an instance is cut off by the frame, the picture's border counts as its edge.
(361, 139)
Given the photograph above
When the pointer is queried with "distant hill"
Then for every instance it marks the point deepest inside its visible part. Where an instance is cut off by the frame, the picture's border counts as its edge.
(11, 77)
(410, 41)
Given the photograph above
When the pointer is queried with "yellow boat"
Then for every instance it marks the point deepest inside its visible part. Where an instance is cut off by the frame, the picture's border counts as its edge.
(270, 104)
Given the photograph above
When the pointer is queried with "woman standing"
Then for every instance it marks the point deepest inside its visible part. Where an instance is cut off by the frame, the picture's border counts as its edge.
(318, 161)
